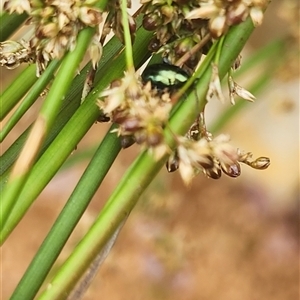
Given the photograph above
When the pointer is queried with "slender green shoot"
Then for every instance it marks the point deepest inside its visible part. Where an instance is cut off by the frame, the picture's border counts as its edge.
(127, 37)
(16, 90)
(29, 99)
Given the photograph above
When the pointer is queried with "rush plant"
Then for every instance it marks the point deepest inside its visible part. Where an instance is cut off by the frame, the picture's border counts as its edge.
(193, 45)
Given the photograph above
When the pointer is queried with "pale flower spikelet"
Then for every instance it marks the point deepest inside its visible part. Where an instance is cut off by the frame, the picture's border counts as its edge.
(57, 25)
(212, 157)
(223, 14)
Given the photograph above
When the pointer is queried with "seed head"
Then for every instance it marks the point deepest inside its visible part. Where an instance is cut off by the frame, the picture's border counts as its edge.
(139, 110)
(222, 14)
(12, 54)
(57, 25)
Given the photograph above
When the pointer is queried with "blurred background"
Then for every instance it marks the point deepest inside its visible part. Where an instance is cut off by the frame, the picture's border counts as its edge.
(227, 239)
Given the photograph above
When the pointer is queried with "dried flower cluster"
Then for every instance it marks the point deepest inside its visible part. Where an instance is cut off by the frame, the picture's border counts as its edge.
(224, 13)
(57, 24)
(190, 21)
(114, 20)
(140, 111)
(211, 157)
(12, 54)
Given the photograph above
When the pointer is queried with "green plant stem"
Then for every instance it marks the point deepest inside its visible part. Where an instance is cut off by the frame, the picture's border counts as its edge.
(219, 50)
(16, 90)
(44, 122)
(127, 37)
(68, 218)
(81, 155)
(9, 24)
(29, 99)
(138, 177)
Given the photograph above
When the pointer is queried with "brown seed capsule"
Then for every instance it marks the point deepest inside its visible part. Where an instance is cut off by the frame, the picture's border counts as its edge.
(127, 141)
(233, 170)
(131, 124)
(132, 25)
(116, 83)
(118, 117)
(49, 30)
(214, 173)
(152, 21)
(90, 16)
(206, 162)
(140, 137)
(173, 162)
(154, 44)
(154, 139)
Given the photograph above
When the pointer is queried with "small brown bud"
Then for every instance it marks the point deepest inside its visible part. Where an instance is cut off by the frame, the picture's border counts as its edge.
(214, 173)
(116, 83)
(154, 44)
(140, 137)
(237, 63)
(173, 162)
(261, 163)
(152, 21)
(154, 138)
(127, 141)
(233, 170)
(131, 124)
(206, 162)
(132, 25)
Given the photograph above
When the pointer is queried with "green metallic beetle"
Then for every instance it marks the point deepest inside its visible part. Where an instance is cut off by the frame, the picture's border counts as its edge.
(171, 78)
(165, 76)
